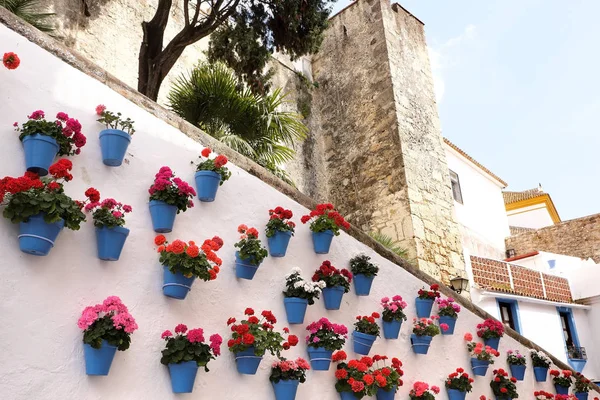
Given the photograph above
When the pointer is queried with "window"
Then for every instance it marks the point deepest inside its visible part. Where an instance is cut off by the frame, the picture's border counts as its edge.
(456, 192)
(509, 314)
(576, 354)
(568, 335)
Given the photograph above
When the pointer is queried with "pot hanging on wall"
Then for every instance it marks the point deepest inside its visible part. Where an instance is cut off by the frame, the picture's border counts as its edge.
(207, 184)
(423, 307)
(454, 394)
(320, 358)
(362, 342)
(362, 284)
(246, 362)
(494, 343)
(98, 361)
(36, 236)
(333, 297)
(285, 389)
(391, 329)
(183, 376)
(278, 243)
(40, 151)
(450, 321)
(517, 371)
(420, 344)
(110, 242)
(383, 394)
(176, 285)
(163, 216)
(295, 309)
(244, 268)
(541, 373)
(322, 241)
(114, 143)
(479, 367)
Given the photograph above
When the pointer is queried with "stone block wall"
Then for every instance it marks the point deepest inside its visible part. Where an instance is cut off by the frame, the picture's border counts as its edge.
(578, 238)
(112, 34)
(378, 123)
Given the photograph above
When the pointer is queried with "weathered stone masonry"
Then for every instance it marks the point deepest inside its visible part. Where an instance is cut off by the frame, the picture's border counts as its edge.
(578, 237)
(380, 135)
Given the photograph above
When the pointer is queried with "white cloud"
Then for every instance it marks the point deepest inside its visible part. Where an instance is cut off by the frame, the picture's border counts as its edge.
(440, 58)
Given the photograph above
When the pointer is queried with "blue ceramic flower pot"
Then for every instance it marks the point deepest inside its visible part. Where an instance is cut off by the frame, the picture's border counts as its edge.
(285, 389)
(322, 241)
(423, 307)
(391, 330)
(420, 344)
(183, 376)
(347, 396)
(98, 361)
(561, 389)
(163, 216)
(247, 363)
(278, 243)
(176, 285)
(581, 395)
(295, 309)
(541, 373)
(114, 143)
(492, 342)
(479, 367)
(362, 284)
(36, 236)
(362, 342)
(451, 322)
(454, 394)
(110, 242)
(320, 358)
(244, 268)
(382, 394)
(517, 371)
(207, 183)
(40, 151)
(333, 297)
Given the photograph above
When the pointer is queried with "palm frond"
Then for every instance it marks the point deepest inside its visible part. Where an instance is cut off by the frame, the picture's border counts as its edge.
(389, 243)
(29, 10)
(212, 98)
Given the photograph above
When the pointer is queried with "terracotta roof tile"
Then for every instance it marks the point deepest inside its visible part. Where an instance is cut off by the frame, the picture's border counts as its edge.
(468, 157)
(494, 275)
(513, 197)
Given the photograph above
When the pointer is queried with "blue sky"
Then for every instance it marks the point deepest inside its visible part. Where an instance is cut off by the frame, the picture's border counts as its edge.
(518, 88)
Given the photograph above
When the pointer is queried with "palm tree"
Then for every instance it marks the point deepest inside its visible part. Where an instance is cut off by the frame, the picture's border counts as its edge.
(389, 243)
(213, 99)
(28, 10)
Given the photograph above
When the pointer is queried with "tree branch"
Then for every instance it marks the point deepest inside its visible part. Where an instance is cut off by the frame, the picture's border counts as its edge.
(186, 12)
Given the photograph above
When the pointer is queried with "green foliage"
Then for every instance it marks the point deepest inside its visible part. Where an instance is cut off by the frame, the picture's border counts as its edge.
(55, 205)
(114, 121)
(389, 243)
(209, 165)
(361, 264)
(251, 250)
(51, 129)
(425, 396)
(296, 286)
(459, 380)
(186, 265)
(264, 340)
(515, 358)
(367, 325)
(279, 221)
(28, 10)
(258, 29)
(103, 329)
(179, 349)
(213, 99)
(539, 359)
(424, 327)
(510, 389)
(296, 374)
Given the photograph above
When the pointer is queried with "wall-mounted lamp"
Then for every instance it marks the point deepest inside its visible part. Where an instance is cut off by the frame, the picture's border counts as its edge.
(459, 284)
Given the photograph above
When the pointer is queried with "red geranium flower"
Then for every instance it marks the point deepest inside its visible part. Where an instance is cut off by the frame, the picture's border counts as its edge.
(11, 60)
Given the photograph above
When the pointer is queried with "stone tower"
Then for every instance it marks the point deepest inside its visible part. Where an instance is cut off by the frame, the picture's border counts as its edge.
(379, 155)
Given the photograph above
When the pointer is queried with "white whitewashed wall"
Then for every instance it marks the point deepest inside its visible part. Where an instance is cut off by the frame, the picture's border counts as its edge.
(41, 297)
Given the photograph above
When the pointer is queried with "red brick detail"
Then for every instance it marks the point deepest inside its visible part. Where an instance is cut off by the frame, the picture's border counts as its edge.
(494, 275)
(557, 288)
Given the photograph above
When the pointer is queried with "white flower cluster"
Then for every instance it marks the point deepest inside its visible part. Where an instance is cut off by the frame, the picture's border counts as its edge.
(540, 354)
(300, 283)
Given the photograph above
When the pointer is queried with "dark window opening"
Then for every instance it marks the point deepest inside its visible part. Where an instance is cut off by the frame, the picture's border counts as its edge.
(506, 314)
(456, 192)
